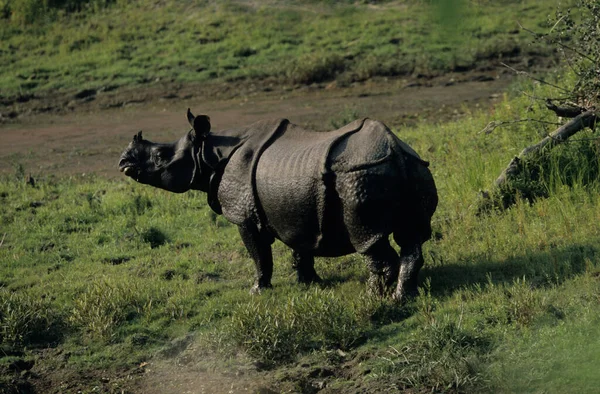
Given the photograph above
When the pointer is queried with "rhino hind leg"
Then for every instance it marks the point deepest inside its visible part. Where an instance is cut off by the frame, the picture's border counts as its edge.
(304, 264)
(383, 264)
(411, 261)
(259, 248)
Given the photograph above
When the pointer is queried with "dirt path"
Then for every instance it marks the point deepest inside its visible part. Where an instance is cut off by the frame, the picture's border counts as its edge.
(90, 139)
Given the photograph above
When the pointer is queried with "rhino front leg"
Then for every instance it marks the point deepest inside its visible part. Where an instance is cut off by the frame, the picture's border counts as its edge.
(411, 261)
(259, 247)
(304, 264)
(382, 262)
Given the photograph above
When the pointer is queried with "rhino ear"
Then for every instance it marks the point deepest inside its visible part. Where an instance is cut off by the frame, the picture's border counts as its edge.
(201, 127)
(190, 117)
(138, 137)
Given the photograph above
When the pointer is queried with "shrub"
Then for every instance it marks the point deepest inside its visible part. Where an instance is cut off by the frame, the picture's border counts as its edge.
(578, 37)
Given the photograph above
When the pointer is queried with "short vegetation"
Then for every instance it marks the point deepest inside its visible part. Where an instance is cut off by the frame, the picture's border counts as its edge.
(108, 275)
(112, 272)
(70, 45)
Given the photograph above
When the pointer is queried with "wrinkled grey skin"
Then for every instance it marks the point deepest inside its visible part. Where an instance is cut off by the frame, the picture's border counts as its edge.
(322, 194)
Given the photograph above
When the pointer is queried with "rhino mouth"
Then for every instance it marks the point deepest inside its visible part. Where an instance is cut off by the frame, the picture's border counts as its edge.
(129, 170)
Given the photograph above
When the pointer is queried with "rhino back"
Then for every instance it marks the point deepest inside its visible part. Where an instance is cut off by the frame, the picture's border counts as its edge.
(313, 187)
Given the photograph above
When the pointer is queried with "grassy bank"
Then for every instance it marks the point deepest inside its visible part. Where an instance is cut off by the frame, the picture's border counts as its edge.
(111, 275)
(284, 42)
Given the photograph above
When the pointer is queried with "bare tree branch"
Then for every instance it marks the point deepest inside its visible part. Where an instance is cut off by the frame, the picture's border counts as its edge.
(569, 111)
(518, 72)
(559, 43)
(524, 93)
(493, 125)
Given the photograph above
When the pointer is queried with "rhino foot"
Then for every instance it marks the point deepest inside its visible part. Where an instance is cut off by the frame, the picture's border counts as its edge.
(257, 288)
(390, 274)
(402, 296)
(376, 285)
(309, 279)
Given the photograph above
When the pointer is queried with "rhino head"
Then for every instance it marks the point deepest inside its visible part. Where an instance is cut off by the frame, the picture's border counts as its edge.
(173, 167)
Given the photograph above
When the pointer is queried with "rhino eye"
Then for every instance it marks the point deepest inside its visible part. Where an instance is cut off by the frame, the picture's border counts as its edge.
(159, 157)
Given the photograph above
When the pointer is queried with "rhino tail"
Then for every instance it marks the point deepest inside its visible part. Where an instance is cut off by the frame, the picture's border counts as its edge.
(420, 161)
(401, 147)
(410, 153)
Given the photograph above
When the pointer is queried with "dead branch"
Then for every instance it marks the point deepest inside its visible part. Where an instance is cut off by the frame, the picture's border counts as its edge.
(2, 241)
(569, 111)
(533, 96)
(494, 124)
(519, 72)
(562, 134)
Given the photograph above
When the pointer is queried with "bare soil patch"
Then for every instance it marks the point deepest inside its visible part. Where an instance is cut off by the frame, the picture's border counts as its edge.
(87, 135)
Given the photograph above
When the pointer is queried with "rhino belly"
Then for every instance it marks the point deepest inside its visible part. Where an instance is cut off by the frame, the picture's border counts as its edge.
(300, 208)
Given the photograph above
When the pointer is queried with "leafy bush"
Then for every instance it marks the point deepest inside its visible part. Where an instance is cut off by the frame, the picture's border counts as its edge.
(576, 32)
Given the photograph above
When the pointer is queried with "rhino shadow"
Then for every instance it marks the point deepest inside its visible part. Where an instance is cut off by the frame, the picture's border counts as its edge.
(539, 268)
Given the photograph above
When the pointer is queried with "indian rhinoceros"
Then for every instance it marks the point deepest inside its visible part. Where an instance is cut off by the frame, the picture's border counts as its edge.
(320, 193)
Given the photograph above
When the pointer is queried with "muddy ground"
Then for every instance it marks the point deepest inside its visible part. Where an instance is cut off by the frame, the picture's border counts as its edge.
(66, 135)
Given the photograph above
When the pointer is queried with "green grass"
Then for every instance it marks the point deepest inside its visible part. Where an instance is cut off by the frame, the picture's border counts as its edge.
(145, 42)
(113, 272)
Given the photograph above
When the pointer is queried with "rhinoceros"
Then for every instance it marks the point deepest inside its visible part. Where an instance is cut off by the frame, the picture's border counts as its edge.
(320, 193)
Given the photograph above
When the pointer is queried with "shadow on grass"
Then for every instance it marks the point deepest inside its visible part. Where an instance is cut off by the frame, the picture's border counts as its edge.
(334, 280)
(539, 268)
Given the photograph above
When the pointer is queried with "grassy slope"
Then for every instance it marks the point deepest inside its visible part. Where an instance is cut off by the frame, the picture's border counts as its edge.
(191, 41)
(112, 272)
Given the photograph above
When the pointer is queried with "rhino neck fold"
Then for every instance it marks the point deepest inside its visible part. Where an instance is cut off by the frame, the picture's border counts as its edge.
(195, 182)
(212, 158)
